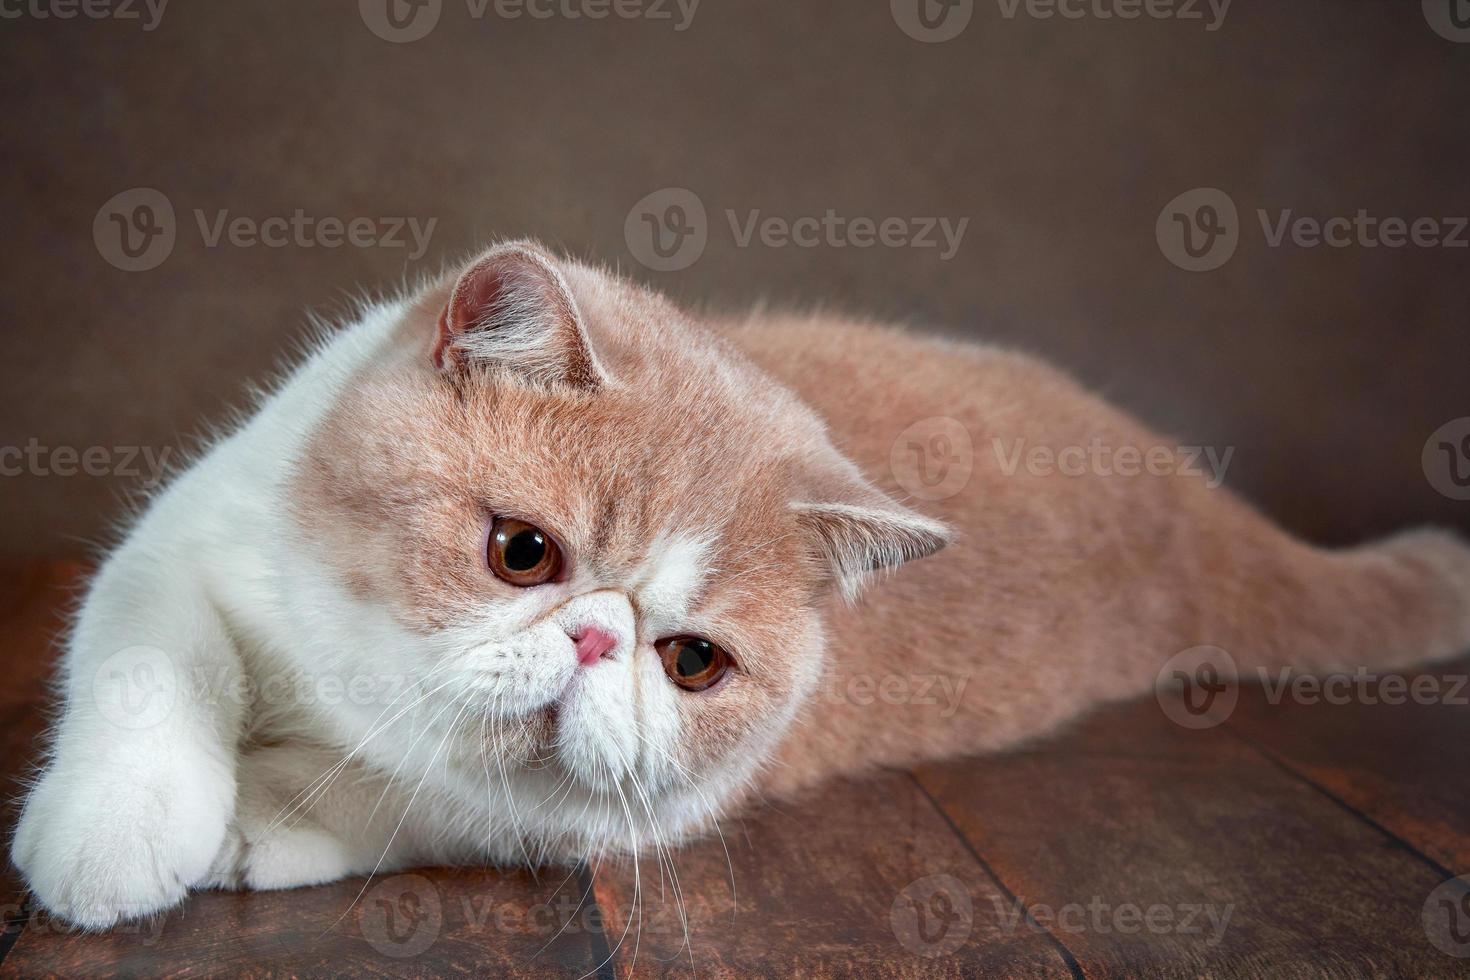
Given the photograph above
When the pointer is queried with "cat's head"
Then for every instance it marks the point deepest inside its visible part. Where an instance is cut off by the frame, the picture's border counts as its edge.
(606, 532)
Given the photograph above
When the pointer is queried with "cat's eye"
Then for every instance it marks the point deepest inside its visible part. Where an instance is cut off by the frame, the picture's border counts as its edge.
(695, 664)
(522, 554)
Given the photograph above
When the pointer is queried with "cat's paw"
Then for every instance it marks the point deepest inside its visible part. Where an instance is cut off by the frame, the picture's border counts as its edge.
(265, 857)
(100, 844)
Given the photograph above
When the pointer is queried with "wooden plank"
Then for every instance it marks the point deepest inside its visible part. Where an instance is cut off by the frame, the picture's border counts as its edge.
(1155, 851)
(1402, 765)
(864, 879)
(431, 922)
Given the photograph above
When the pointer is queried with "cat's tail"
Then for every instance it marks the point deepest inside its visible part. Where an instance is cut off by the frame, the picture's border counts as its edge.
(1395, 603)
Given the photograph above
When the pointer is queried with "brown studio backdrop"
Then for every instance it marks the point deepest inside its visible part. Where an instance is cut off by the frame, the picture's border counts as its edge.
(1326, 369)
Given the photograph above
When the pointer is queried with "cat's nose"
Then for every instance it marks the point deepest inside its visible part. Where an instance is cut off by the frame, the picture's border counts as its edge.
(593, 643)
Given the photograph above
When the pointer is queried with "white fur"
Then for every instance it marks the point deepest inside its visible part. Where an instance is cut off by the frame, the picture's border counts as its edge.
(356, 751)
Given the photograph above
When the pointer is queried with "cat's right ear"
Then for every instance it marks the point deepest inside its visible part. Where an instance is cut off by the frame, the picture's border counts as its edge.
(511, 309)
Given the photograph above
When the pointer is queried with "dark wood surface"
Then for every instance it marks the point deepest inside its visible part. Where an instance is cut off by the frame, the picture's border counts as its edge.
(1292, 840)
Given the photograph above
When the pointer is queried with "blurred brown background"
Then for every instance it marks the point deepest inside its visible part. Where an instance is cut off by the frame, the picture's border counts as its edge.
(1061, 140)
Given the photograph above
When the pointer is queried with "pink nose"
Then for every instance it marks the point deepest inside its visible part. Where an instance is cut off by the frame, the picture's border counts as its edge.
(593, 643)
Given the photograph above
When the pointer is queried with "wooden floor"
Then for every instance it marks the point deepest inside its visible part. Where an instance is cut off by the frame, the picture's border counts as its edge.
(1291, 840)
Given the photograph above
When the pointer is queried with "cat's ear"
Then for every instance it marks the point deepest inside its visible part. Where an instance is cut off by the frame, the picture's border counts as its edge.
(512, 309)
(860, 531)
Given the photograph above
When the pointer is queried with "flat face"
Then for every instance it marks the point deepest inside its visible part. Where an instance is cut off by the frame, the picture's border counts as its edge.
(661, 505)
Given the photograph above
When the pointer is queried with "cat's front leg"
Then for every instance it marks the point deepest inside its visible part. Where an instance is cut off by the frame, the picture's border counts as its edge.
(307, 815)
(134, 801)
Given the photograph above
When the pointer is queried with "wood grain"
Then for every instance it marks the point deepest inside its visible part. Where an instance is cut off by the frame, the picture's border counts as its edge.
(866, 878)
(1244, 869)
(1403, 765)
(433, 922)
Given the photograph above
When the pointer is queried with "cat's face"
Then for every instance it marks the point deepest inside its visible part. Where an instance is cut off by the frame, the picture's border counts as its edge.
(609, 537)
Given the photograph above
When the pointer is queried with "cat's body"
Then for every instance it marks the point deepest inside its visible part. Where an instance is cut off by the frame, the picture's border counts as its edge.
(256, 685)
(1072, 579)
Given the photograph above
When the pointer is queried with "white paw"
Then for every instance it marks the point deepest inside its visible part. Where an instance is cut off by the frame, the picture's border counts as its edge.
(101, 843)
(258, 856)
(279, 837)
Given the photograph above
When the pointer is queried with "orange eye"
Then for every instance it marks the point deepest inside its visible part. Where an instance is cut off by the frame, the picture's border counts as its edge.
(693, 663)
(522, 554)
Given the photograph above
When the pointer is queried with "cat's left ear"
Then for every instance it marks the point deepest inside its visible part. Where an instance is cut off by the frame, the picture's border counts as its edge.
(861, 531)
(512, 309)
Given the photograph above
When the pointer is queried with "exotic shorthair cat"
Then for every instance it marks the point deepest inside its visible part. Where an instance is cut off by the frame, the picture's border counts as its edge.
(534, 566)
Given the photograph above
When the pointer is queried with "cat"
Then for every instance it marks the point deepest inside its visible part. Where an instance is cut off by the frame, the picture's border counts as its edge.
(531, 565)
